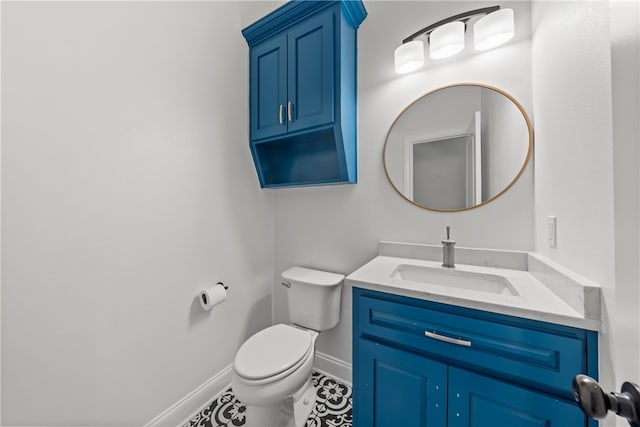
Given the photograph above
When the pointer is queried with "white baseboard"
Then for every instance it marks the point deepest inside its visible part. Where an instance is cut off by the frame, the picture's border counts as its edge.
(333, 367)
(183, 410)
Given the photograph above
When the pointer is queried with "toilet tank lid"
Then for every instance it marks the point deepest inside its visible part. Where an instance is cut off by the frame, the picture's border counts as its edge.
(309, 276)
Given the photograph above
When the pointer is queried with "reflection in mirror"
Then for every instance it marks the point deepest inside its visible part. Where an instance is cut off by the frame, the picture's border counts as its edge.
(458, 147)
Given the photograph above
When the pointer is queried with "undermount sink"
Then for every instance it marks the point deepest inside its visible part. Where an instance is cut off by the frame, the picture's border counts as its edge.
(472, 281)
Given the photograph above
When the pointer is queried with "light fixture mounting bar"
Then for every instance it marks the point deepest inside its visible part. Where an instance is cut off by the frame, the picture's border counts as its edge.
(464, 16)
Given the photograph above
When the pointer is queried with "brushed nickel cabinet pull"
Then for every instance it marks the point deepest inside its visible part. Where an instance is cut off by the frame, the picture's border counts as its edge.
(450, 340)
(290, 111)
(281, 114)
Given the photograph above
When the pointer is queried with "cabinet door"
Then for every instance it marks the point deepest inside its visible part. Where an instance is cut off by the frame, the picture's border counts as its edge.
(479, 401)
(268, 88)
(398, 388)
(311, 72)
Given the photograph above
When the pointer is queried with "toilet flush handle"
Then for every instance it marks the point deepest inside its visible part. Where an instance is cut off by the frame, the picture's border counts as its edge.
(286, 284)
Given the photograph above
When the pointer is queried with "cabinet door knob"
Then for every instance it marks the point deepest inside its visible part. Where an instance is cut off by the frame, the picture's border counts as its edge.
(290, 111)
(450, 340)
(281, 114)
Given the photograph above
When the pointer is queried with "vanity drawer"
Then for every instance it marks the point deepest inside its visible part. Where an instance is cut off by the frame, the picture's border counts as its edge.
(533, 353)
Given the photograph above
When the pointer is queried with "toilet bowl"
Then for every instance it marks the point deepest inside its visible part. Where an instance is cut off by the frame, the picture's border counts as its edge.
(272, 376)
(272, 369)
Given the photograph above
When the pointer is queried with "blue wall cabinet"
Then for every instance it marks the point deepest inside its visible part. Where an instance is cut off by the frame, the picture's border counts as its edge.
(269, 87)
(303, 93)
(310, 71)
(501, 371)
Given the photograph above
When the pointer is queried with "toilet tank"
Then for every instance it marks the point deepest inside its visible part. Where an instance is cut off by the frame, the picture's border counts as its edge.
(314, 297)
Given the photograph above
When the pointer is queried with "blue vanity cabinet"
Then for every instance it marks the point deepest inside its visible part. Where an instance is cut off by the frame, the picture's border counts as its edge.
(400, 388)
(481, 401)
(497, 370)
(302, 87)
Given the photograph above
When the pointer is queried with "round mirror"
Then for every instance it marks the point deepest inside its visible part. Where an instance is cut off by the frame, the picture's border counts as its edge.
(458, 147)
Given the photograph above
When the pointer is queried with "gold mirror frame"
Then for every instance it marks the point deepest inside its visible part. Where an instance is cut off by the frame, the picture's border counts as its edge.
(519, 174)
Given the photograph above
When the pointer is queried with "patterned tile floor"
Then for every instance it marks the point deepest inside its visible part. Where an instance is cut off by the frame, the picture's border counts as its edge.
(332, 409)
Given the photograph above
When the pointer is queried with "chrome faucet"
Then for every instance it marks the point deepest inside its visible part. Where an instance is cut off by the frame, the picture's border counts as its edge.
(448, 251)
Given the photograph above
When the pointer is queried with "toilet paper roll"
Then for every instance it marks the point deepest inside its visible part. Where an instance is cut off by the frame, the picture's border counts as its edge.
(212, 296)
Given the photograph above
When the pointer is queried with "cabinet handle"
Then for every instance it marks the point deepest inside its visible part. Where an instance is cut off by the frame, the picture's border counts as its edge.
(290, 111)
(281, 114)
(450, 340)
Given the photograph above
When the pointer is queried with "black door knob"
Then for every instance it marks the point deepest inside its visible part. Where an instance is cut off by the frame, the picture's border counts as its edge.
(596, 403)
(590, 396)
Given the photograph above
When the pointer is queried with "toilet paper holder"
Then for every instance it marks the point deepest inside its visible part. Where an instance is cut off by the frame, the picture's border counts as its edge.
(204, 298)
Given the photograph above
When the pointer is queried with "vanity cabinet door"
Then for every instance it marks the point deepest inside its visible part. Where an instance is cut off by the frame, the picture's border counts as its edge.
(268, 88)
(311, 73)
(398, 388)
(479, 401)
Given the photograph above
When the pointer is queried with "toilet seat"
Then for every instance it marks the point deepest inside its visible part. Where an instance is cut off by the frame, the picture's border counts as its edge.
(273, 353)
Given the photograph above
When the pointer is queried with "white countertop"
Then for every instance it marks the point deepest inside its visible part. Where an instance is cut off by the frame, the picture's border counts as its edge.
(534, 300)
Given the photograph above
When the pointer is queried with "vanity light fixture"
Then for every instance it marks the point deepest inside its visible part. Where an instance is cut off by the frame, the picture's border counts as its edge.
(446, 37)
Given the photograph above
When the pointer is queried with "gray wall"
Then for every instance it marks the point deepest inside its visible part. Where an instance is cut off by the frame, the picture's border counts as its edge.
(625, 62)
(585, 81)
(126, 184)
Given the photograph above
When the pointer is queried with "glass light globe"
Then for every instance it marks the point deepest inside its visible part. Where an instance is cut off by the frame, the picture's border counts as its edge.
(494, 29)
(446, 40)
(409, 57)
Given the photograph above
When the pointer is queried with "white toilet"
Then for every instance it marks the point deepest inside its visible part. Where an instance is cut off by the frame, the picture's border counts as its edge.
(272, 369)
